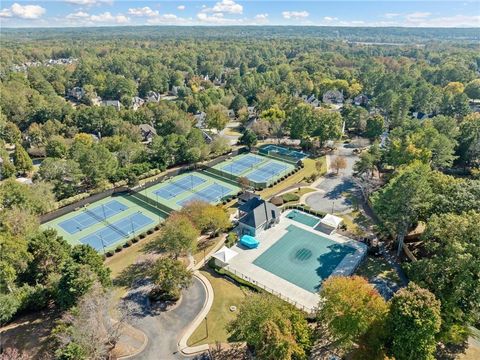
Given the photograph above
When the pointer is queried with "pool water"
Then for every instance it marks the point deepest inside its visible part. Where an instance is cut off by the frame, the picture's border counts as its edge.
(303, 218)
(303, 258)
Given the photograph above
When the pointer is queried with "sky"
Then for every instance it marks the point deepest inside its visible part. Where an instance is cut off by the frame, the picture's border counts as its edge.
(80, 13)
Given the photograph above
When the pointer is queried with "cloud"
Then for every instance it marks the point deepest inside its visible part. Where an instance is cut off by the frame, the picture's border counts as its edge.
(224, 7)
(330, 18)
(261, 16)
(78, 15)
(30, 12)
(391, 15)
(83, 18)
(169, 19)
(89, 2)
(445, 21)
(295, 15)
(181, 7)
(145, 11)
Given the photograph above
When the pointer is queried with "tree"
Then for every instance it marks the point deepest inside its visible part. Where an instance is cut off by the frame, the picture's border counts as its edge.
(244, 183)
(238, 103)
(261, 128)
(178, 235)
(38, 198)
(450, 269)
(88, 331)
(414, 321)
(374, 127)
(346, 318)
(368, 161)
(169, 278)
(339, 163)
(404, 200)
(469, 140)
(328, 125)
(301, 121)
(207, 217)
(217, 117)
(472, 89)
(65, 175)
(248, 138)
(56, 147)
(21, 159)
(275, 117)
(274, 328)
(9, 132)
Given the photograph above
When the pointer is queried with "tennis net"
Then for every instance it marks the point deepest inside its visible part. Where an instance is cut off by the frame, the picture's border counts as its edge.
(99, 218)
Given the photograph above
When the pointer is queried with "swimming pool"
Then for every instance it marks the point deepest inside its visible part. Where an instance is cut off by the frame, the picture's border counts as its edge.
(303, 258)
(303, 218)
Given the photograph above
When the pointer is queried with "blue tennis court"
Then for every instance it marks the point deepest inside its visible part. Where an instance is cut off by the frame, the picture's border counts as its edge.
(92, 216)
(211, 194)
(178, 187)
(266, 172)
(240, 165)
(121, 229)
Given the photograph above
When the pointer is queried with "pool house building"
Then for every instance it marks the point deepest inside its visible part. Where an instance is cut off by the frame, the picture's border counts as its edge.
(257, 215)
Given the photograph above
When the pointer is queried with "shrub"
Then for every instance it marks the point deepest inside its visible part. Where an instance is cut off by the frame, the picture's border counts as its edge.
(288, 197)
(150, 231)
(128, 243)
(142, 235)
(109, 253)
(118, 248)
(135, 239)
(157, 227)
(277, 200)
(232, 238)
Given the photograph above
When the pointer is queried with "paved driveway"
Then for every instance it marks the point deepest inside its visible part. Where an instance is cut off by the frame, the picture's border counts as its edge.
(330, 197)
(163, 329)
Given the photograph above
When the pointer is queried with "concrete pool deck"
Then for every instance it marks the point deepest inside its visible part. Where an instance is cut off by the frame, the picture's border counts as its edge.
(242, 264)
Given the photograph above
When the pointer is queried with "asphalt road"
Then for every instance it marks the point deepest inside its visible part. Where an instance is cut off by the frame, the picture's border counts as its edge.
(163, 329)
(330, 197)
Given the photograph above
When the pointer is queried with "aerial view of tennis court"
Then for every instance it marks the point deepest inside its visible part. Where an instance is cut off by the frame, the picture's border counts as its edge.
(182, 189)
(107, 223)
(256, 168)
(280, 150)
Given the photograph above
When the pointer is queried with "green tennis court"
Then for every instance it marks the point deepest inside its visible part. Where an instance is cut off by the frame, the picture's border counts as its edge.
(107, 223)
(256, 168)
(182, 189)
(303, 258)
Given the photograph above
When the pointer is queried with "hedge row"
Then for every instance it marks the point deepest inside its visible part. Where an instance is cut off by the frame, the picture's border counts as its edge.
(295, 170)
(305, 208)
(132, 241)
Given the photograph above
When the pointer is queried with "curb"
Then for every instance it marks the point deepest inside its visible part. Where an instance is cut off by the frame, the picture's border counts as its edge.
(182, 343)
(140, 350)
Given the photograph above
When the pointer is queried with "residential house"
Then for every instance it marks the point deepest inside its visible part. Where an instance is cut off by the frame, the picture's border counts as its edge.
(252, 112)
(333, 97)
(137, 102)
(147, 132)
(153, 96)
(115, 103)
(174, 91)
(231, 113)
(200, 118)
(257, 215)
(76, 93)
(360, 100)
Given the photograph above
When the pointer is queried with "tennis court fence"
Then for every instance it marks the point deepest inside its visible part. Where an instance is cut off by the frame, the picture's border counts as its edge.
(111, 226)
(159, 206)
(231, 178)
(276, 156)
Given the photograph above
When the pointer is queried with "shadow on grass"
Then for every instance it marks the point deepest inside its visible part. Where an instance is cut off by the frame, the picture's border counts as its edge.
(134, 273)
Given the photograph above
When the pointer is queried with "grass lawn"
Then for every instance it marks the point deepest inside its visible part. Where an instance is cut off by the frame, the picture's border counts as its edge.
(377, 266)
(354, 221)
(226, 295)
(204, 247)
(307, 171)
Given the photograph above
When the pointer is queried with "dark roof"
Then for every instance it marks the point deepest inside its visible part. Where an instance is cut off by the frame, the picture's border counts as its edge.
(261, 214)
(250, 204)
(247, 195)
